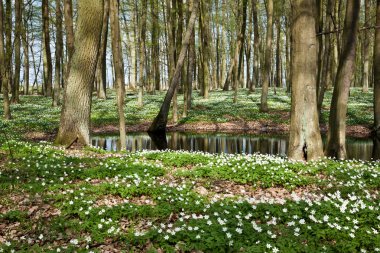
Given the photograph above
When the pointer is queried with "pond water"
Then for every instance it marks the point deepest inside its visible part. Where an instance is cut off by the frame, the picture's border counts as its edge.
(357, 148)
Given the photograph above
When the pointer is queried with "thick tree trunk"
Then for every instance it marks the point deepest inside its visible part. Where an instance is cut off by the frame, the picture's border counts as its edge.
(101, 69)
(58, 53)
(3, 72)
(268, 56)
(376, 64)
(48, 67)
(75, 115)
(336, 139)
(160, 122)
(8, 43)
(17, 49)
(205, 47)
(305, 142)
(119, 69)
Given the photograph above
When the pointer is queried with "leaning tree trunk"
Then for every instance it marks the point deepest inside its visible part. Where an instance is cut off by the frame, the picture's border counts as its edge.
(75, 115)
(119, 68)
(58, 53)
(267, 67)
(336, 139)
(376, 64)
(3, 73)
(160, 122)
(305, 141)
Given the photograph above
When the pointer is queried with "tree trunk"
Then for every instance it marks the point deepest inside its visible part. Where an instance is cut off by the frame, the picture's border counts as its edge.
(8, 43)
(267, 63)
(155, 44)
(305, 142)
(3, 70)
(160, 122)
(58, 53)
(75, 115)
(376, 64)
(25, 45)
(101, 69)
(278, 77)
(119, 69)
(142, 39)
(256, 47)
(239, 47)
(366, 48)
(336, 139)
(205, 47)
(48, 67)
(17, 49)
(68, 13)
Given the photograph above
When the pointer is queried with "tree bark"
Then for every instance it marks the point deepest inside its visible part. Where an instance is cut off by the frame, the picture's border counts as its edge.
(267, 63)
(17, 49)
(58, 53)
(336, 139)
(305, 142)
(142, 39)
(68, 13)
(366, 48)
(160, 122)
(48, 67)
(101, 69)
(155, 44)
(376, 64)
(119, 69)
(256, 47)
(75, 114)
(3, 70)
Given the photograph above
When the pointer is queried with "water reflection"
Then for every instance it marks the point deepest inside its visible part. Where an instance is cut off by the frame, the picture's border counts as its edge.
(363, 149)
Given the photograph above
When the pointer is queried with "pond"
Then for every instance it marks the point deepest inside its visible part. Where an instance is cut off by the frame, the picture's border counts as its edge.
(357, 148)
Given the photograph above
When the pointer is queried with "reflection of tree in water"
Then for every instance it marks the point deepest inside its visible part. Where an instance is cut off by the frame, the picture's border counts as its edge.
(362, 149)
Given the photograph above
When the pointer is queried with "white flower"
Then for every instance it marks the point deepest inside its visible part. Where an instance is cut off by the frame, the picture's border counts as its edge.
(100, 226)
(275, 250)
(41, 237)
(269, 246)
(166, 237)
(228, 235)
(352, 235)
(7, 243)
(74, 241)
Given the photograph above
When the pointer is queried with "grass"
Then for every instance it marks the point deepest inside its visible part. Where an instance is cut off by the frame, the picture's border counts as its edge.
(36, 114)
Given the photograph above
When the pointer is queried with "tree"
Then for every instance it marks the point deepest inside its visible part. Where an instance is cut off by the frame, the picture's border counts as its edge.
(48, 67)
(119, 69)
(142, 39)
(256, 46)
(376, 64)
(75, 114)
(366, 48)
(101, 69)
(160, 122)
(17, 49)
(268, 56)
(336, 139)
(68, 13)
(58, 53)
(3, 70)
(305, 142)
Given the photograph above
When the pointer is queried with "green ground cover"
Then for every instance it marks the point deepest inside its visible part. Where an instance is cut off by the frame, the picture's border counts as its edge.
(164, 201)
(36, 114)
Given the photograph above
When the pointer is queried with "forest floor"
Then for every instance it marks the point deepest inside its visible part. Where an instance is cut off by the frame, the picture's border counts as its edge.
(55, 200)
(90, 200)
(36, 119)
